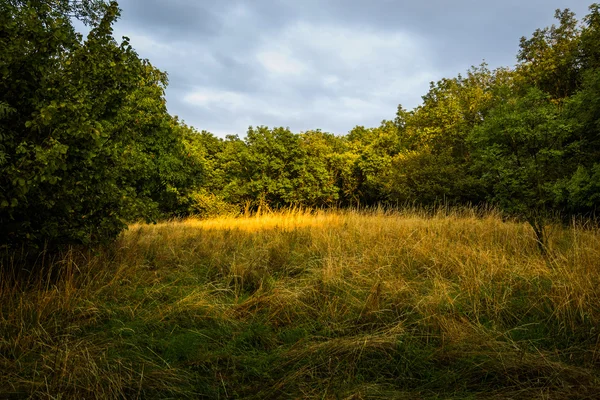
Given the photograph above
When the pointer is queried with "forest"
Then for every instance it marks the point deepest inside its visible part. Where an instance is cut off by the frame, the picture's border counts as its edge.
(450, 252)
(87, 145)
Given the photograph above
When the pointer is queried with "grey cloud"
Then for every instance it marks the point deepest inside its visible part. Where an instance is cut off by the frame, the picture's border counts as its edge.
(460, 32)
(320, 64)
(171, 19)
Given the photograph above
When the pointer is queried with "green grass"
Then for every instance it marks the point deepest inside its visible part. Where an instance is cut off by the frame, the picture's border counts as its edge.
(328, 305)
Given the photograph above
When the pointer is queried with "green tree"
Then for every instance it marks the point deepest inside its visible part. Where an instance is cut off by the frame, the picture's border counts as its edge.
(263, 169)
(317, 180)
(83, 121)
(276, 168)
(370, 152)
(433, 163)
(520, 149)
(590, 39)
(579, 190)
(157, 163)
(550, 58)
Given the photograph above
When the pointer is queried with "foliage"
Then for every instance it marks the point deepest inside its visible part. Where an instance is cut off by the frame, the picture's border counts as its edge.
(550, 58)
(579, 190)
(273, 167)
(521, 148)
(537, 151)
(372, 150)
(87, 142)
(203, 204)
(433, 163)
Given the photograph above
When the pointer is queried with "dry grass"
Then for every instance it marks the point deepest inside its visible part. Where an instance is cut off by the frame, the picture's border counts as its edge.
(303, 304)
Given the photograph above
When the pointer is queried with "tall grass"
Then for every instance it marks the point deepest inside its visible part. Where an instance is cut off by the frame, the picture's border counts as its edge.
(301, 304)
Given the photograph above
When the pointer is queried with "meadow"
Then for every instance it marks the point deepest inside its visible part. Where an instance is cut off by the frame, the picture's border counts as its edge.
(310, 304)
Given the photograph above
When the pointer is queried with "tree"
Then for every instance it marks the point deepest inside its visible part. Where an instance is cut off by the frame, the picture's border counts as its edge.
(433, 161)
(82, 122)
(318, 172)
(370, 151)
(158, 160)
(278, 168)
(550, 59)
(263, 169)
(520, 150)
(590, 39)
(579, 190)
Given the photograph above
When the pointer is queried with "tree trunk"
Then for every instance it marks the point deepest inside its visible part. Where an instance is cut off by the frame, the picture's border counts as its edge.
(540, 236)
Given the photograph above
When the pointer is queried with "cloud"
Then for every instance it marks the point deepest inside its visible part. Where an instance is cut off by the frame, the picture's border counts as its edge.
(280, 63)
(329, 77)
(210, 97)
(319, 64)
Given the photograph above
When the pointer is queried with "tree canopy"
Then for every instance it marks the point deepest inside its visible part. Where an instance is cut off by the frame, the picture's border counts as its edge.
(87, 145)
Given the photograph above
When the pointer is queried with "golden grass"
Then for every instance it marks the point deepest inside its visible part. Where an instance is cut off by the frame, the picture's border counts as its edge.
(324, 304)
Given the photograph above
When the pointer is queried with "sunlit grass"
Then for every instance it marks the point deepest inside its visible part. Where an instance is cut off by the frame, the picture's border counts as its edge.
(313, 304)
(286, 220)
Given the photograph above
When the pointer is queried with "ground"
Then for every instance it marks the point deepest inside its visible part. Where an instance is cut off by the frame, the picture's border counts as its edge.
(300, 304)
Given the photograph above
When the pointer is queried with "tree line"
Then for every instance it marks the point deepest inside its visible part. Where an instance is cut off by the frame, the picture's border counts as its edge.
(87, 144)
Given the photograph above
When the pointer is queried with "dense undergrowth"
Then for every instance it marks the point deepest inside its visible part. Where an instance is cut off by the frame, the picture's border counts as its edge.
(346, 305)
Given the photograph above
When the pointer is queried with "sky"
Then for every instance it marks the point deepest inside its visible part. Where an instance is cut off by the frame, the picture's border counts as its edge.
(320, 64)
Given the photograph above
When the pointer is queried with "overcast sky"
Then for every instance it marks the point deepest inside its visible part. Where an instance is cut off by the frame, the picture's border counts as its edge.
(328, 64)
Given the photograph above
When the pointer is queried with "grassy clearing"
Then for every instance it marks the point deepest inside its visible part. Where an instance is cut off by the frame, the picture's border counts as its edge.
(297, 304)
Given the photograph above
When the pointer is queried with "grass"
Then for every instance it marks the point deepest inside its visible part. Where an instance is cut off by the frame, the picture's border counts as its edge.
(298, 304)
